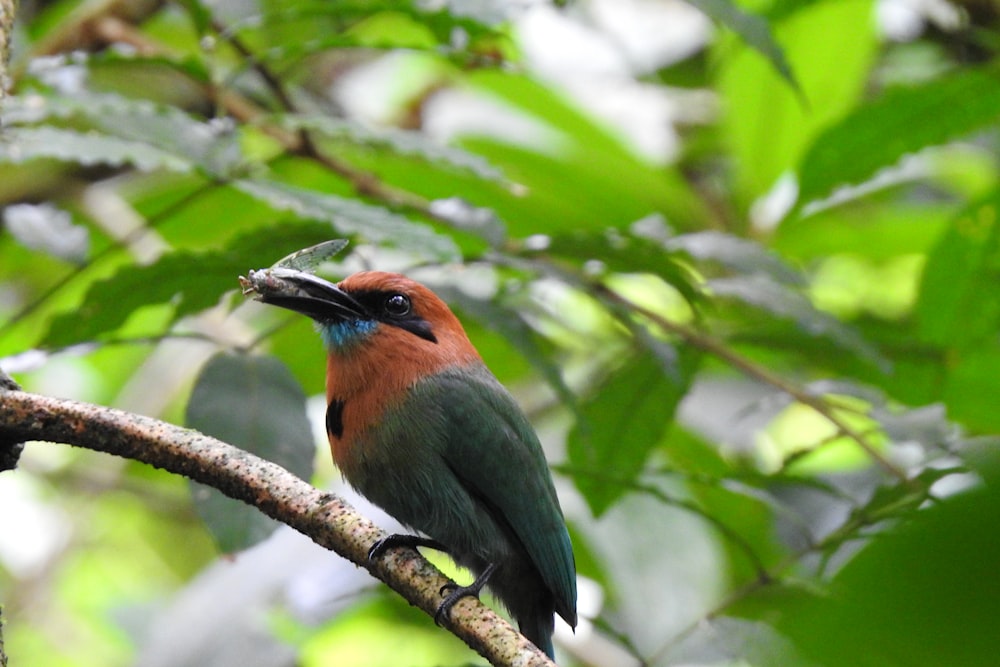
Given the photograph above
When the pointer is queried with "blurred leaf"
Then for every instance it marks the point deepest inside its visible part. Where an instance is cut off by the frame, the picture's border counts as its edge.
(354, 217)
(622, 423)
(959, 303)
(625, 253)
(761, 292)
(752, 29)
(902, 121)
(927, 593)
(254, 403)
(971, 387)
(735, 254)
(515, 330)
(212, 147)
(402, 142)
(191, 280)
(771, 125)
(22, 144)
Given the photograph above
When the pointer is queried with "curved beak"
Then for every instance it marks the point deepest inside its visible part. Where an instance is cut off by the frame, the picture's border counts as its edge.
(304, 293)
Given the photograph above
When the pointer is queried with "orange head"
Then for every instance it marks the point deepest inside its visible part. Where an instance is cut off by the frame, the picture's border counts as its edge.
(383, 333)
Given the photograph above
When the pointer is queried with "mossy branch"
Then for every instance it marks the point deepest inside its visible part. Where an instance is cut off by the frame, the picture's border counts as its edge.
(323, 517)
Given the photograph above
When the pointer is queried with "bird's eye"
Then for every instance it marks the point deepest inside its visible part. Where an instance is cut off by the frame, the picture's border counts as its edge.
(397, 305)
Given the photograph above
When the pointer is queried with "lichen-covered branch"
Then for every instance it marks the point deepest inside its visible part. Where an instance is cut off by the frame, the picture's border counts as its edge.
(7, 13)
(323, 517)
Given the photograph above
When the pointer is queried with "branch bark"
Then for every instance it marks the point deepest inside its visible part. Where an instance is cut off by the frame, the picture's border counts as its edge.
(323, 517)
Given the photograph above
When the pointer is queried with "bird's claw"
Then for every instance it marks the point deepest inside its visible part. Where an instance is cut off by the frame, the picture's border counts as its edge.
(458, 592)
(412, 541)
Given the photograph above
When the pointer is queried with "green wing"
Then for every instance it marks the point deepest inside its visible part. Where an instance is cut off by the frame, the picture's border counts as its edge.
(495, 453)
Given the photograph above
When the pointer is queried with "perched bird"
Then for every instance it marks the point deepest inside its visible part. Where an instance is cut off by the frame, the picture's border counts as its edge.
(422, 428)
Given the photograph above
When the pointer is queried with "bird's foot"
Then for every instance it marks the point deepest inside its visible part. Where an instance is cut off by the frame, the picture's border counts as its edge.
(412, 541)
(456, 593)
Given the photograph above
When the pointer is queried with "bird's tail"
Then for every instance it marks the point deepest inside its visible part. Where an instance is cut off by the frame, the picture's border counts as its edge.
(537, 626)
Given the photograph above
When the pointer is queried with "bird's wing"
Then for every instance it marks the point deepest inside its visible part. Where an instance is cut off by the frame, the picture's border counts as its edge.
(495, 453)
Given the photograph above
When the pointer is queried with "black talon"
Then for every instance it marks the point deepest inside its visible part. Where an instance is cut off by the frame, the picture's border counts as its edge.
(458, 592)
(411, 541)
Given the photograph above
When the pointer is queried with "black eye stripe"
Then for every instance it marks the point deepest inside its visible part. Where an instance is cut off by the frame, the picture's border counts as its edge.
(394, 309)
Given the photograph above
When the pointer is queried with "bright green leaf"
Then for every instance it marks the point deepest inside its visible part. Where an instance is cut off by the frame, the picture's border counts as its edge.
(901, 122)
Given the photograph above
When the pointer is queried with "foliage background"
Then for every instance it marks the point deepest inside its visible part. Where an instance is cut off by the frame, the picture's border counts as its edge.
(742, 273)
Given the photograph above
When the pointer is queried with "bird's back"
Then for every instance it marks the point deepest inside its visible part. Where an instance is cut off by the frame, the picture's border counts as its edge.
(456, 459)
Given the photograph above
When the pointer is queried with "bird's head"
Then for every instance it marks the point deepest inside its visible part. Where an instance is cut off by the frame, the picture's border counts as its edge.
(363, 307)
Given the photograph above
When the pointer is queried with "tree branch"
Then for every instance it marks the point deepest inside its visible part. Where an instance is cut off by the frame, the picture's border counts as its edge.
(324, 517)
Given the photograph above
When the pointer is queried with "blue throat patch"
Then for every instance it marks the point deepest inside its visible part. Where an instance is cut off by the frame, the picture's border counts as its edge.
(343, 335)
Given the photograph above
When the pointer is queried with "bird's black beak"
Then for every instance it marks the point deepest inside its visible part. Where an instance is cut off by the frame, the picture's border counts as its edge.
(304, 293)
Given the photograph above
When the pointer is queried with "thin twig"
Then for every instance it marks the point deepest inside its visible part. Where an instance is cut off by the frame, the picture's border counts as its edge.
(718, 349)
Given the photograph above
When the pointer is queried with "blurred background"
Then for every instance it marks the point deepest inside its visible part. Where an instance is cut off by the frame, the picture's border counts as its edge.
(738, 260)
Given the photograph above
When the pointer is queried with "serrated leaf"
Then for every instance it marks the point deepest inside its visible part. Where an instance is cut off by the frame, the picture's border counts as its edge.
(22, 144)
(620, 425)
(192, 280)
(254, 403)
(212, 147)
(762, 292)
(400, 141)
(753, 29)
(959, 303)
(626, 253)
(902, 121)
(736, 254)
(353, 217)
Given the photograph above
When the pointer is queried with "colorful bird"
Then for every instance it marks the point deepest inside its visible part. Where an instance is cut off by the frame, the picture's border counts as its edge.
(422, 428)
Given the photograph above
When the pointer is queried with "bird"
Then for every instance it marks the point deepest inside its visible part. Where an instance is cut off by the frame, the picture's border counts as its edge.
(421, 427)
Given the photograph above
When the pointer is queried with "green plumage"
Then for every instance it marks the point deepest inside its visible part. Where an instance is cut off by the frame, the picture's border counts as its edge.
(457, 460)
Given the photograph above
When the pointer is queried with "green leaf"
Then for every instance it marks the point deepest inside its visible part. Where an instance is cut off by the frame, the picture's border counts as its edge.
(924, 594)
(735, 254)
(254, 403)
(149, 129)
(622, 423)
(353, 217)
(402, 142)
(902, 121)
(959, 303)
(760, 291)
(22, 144)
(191, 280)
(626, 253)
(770, 126)
(752, 29)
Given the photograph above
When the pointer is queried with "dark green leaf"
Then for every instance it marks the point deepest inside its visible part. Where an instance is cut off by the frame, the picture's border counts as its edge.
(927, 593)
(625, 253)
(622, 423)
(192, 280)
(254, 403)
(354, 217)
(760, 291)
(735, 254)
(902, 121)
